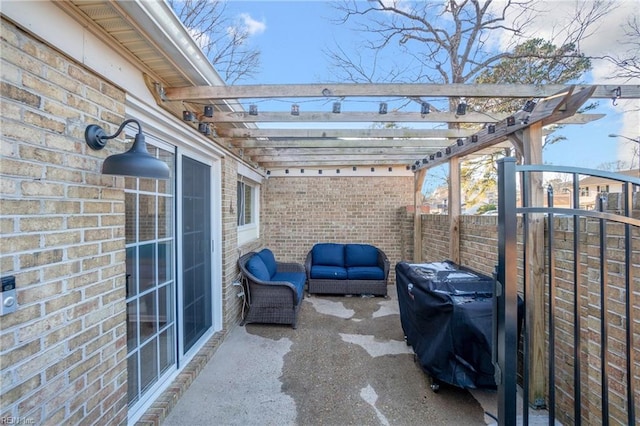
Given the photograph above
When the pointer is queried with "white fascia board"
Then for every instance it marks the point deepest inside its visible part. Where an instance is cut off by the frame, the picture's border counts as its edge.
(162, 26)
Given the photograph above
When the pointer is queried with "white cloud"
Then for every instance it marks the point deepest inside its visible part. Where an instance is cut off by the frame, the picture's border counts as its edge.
(252, 26)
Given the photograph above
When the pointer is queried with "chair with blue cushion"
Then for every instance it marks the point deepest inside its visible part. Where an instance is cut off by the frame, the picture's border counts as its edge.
(274, 290)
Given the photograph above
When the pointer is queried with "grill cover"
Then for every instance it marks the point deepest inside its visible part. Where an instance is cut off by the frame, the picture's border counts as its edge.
(446, 314)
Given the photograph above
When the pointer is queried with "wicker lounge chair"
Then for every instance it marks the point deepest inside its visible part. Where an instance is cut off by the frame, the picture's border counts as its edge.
(275, 295)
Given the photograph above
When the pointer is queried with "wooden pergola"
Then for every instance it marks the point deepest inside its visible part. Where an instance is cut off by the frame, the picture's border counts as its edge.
(300, 141)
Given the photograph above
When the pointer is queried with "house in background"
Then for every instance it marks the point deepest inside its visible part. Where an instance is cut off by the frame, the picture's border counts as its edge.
(592, 186)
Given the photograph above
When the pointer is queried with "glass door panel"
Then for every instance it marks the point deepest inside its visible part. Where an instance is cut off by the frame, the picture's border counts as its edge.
(196, 251)
(150, 282)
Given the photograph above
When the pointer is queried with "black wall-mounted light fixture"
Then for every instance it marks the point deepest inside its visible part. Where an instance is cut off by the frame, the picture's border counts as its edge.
(432, 157)
(462, 109)
(336, 108)
(460, 142)
(383, 108)
(253, 109)
(491, 128)
(295, 109)
(425, 161)
(136, 162)
(447, 150)
(439, 154)
(208, 111)
(511, 121)
(474, 138)
(425, 108)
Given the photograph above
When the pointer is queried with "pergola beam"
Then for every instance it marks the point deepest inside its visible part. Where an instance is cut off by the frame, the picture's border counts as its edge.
(345, 133)
(548, 111)
(374, 117)
(265, 91)
(339, 143)
(347, 159)
(339, 163)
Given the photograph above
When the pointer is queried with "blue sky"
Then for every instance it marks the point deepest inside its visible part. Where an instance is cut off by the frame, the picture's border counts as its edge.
(292, 36)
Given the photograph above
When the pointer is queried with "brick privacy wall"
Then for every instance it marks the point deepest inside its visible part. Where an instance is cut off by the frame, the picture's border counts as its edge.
(479, 251)
(63, 352)
(298, 212)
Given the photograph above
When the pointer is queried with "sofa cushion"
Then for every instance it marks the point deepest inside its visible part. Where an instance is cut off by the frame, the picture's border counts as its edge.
(328, 272)
(298, 280)
(365, 273)
(361, 255)
(257, 268)
(328, 254)
(269, 261)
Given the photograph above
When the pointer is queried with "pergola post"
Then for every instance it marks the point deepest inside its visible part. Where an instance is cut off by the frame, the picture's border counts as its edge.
(417, 215)
(534, 279)
(454, 209)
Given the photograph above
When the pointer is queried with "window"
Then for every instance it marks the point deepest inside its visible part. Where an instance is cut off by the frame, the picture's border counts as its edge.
(245, 204)
(603, 188)
(584, 192)
(247, 210)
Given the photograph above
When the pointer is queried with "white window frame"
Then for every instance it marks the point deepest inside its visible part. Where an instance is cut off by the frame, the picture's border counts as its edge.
(251, 231)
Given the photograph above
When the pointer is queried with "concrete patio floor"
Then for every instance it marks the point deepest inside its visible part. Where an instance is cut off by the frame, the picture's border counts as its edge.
(345, 364)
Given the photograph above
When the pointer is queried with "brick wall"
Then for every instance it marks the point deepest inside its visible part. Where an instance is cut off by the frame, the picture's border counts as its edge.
(232, 304)
(63, 352)
(298, 212)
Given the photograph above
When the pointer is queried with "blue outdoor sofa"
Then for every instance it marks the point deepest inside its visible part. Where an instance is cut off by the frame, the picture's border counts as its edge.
(347, 269)
(274, 289)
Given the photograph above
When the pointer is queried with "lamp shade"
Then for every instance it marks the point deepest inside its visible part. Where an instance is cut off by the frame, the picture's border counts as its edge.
(136, 162)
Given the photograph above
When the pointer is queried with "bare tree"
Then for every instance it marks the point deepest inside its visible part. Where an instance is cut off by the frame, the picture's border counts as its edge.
(448, 42)
(459, 41)
(221, 37)
(628, 63)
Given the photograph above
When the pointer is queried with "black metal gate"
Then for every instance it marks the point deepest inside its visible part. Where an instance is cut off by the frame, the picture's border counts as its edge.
(590, 270)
